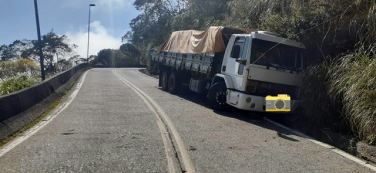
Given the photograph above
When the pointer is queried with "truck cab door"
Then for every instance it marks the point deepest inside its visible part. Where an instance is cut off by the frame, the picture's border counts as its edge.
(235, 60)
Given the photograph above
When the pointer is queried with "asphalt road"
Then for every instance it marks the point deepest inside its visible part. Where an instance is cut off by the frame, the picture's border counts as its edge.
(112, 126)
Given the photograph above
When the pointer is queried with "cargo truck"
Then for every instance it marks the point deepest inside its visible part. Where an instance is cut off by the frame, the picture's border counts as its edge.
(233, 67)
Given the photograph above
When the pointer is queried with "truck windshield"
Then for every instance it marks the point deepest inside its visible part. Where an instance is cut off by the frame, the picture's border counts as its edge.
(275, 55)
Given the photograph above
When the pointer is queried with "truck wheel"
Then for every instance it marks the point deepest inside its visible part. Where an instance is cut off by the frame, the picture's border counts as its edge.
(173, 83)
(217, 96)
(164, 80)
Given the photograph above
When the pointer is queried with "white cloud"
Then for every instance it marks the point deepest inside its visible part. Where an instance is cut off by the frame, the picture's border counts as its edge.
(99, 39)
(115, 3)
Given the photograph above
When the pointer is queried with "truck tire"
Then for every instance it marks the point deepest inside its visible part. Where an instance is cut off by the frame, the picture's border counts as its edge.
(173, 83)
(164, 80)
(217, 96)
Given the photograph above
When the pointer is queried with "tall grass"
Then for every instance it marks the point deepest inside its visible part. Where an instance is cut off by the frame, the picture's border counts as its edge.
(353, 83)
(318, 107)
(343, 93)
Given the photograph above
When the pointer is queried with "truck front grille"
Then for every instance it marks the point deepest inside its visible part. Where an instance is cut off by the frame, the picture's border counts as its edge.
(261, 88)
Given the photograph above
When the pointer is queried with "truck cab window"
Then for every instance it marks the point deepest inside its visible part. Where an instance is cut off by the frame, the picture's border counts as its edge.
(235, 53)
(238, 52)
(276, 55)
(238, 47)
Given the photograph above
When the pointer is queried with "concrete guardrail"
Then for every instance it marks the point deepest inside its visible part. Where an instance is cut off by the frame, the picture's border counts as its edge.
(21, 108)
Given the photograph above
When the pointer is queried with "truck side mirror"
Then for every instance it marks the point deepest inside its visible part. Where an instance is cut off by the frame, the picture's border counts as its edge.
(235, 53)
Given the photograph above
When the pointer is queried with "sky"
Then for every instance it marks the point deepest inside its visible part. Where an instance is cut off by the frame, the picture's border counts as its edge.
(109, 21)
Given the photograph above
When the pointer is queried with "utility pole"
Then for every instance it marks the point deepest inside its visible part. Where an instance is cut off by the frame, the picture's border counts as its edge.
(88, 34)
(39, 42)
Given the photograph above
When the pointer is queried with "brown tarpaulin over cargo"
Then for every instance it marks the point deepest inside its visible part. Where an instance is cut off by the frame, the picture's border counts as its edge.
(198, 42)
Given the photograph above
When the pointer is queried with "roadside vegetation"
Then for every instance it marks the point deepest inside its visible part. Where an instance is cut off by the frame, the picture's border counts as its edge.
(353, 88)
(17, 83)
(339, 86)
(18, 75)
(126, 55)
(19, 64)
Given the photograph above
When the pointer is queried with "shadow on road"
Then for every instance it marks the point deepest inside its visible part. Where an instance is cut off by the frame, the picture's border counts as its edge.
(255, 118)
(293, 121)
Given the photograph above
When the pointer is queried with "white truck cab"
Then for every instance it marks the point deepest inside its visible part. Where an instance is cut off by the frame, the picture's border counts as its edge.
(259, 64)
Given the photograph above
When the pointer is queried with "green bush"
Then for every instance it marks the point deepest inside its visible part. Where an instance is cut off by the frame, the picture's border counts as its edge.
(17, 83)
(10, 68)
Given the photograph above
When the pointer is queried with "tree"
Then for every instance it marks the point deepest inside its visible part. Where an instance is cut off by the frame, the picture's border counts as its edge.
(108, 57)
(14, 50)
(6, 52)
(74, 59)
(131, 52)
(113, 58)
(128, 36)
(64, 65)
(92, 58)
(10, 68)
(53, 46)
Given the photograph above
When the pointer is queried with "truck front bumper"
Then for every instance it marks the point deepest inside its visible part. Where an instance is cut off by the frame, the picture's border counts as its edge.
(251, 102)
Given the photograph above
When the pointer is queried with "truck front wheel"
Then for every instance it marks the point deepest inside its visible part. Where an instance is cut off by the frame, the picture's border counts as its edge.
(164, 80)
(173, 83)
(217, 96)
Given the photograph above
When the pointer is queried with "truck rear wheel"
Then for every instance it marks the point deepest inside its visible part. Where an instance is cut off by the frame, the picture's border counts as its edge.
(164, 80)
(217, 96)
(173, 83)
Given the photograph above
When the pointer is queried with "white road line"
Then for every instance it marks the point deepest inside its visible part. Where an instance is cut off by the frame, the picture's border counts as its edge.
(160, 114)
(18, 140)
(334, 149)
(172, 162)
